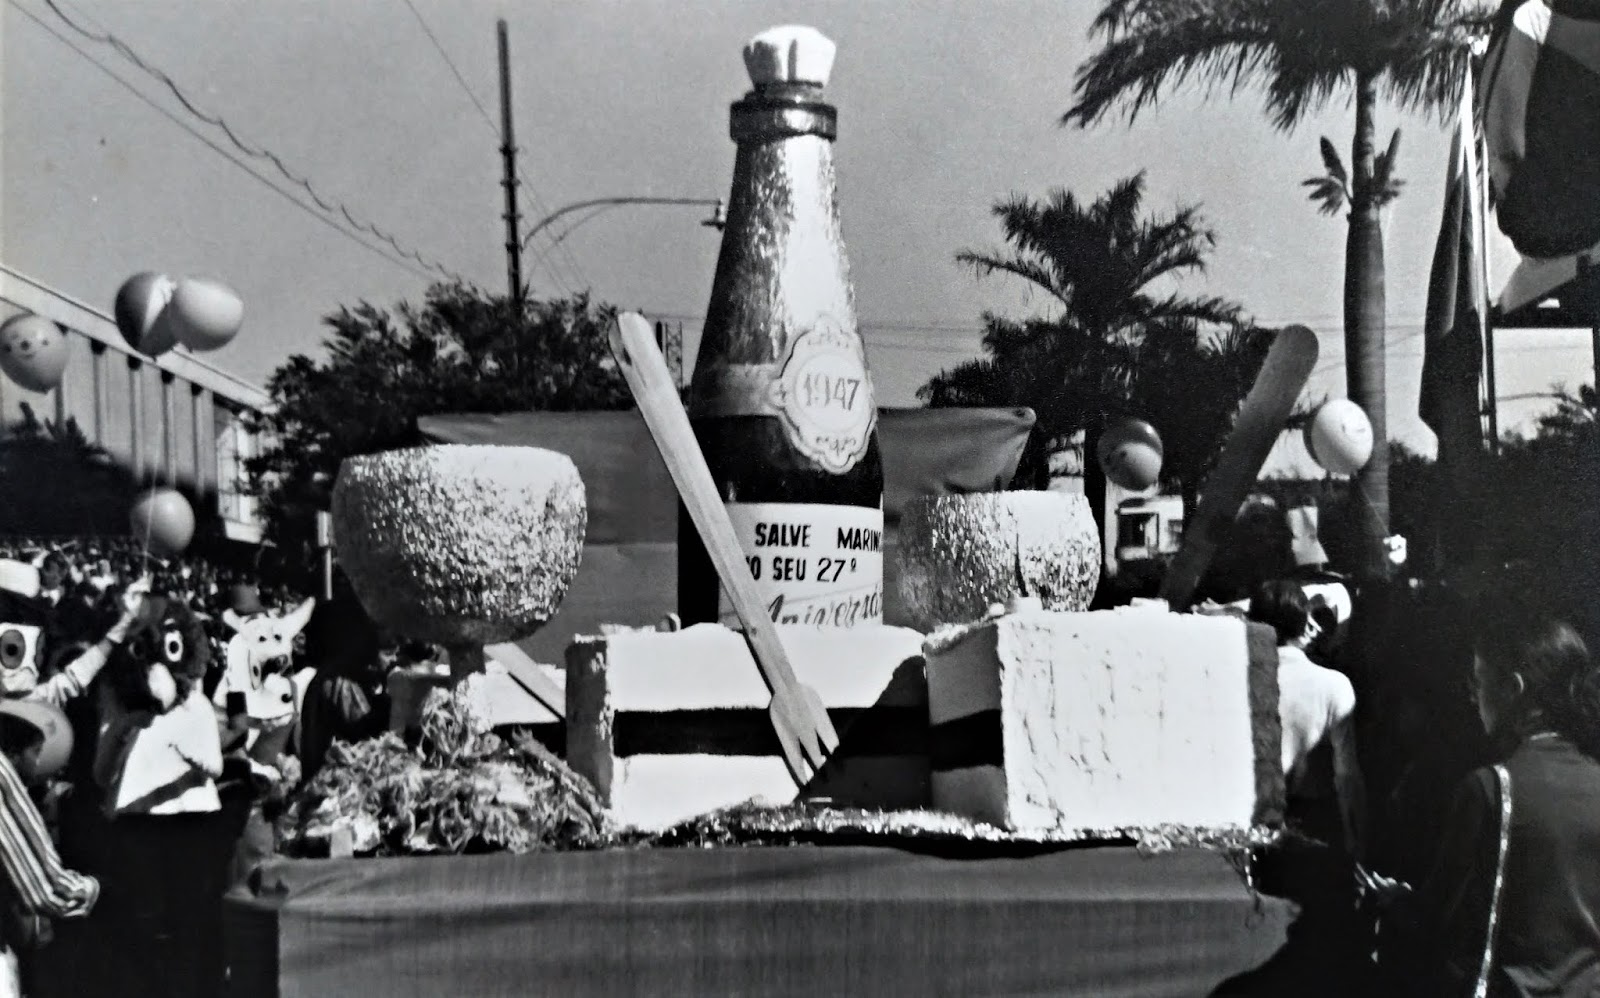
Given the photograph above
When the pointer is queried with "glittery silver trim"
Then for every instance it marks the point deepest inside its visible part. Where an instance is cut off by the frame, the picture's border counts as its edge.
(1503, 781)
(460, 544)
(959, 554)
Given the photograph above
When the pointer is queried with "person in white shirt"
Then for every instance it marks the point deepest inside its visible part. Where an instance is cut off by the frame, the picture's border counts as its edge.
(158, 757)
(1317, 708)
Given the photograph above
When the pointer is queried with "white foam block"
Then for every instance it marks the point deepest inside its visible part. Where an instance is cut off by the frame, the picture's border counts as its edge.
(667, 725)
(1133, 718)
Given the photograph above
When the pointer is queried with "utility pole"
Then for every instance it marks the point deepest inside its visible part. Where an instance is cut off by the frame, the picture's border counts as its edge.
(508, 153)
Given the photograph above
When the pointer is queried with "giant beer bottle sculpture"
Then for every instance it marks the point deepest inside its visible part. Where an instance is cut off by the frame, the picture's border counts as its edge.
(781, 400)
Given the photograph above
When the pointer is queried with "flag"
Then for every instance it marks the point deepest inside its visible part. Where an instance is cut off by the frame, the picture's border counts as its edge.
(1457, 300)
(1541, 114)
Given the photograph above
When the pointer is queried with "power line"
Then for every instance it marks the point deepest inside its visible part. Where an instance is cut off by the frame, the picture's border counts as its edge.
(575, 270)
(522, 179)
(253, 151)
(330, 223)
(437, 47)
(483, 113)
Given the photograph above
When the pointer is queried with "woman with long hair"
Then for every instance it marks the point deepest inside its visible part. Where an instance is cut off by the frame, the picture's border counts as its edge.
(1512, 906)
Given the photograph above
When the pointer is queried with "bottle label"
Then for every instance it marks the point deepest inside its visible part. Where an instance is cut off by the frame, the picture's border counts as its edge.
(824, 395)
(813, 564)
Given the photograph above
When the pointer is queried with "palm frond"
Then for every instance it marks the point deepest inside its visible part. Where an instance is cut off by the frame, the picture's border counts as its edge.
(1383, 163)
(1330, 194)
(1387, 191)
(1332, 162)
(987, 264)
(1190, 312)
(1426, 59)
(1147, 49)
(1385, 185)
(1302, 53)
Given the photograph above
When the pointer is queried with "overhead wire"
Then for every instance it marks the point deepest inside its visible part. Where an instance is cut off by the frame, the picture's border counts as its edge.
(494, 129)
(218, 149)
(439, 48)
(332, 207)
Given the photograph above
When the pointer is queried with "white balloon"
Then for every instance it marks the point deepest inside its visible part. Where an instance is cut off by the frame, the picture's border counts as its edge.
(1339, 437)
(206, 315)
(33, 352)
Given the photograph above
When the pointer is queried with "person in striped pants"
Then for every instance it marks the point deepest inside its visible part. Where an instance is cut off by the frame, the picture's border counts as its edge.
(38, 887)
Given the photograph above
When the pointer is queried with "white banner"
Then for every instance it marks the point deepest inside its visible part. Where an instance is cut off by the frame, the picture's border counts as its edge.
(813, 564)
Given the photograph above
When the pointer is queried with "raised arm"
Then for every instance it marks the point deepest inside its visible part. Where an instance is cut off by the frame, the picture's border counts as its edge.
(72, 680)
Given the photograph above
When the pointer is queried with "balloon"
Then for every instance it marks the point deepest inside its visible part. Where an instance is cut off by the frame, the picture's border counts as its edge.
(1130, 453)
(166, 519)
(33, 352)
(1339, 436)
(142, 313)
(205, 315)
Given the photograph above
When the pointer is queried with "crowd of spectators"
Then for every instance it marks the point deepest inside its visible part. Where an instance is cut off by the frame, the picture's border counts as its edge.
(85, 579)
(169, 792)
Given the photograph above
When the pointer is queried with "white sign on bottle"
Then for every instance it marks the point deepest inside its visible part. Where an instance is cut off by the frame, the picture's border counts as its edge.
(824, 395)
(813, 564)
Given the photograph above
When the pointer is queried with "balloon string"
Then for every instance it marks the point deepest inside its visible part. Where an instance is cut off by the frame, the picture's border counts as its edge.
(1371, 508)
(1368, 505)
(149, 530)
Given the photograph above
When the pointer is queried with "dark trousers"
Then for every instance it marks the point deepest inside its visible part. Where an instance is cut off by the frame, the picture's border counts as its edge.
(162, 921)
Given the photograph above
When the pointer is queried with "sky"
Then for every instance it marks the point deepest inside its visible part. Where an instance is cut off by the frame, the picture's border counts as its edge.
(390, 109)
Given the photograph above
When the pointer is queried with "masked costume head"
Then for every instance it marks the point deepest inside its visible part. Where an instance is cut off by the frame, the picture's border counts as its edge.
(22, 626)
(166, 633)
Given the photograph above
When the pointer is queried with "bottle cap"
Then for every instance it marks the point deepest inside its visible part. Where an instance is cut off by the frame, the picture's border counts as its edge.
(791, 53)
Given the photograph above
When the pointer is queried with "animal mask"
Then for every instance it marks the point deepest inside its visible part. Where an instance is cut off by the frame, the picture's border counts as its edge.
(168, 632)
(258, 653)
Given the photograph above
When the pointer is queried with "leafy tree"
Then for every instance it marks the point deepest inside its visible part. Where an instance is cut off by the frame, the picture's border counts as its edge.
(462, 351)
(1113, 346)
(55, 481)
(1303, 53)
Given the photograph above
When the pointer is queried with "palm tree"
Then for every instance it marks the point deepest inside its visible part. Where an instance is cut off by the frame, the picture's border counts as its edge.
(1081, 365)
(1189, 386)
(1303, 52)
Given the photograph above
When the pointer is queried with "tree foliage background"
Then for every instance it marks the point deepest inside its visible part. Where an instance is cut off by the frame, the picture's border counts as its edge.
(1302, 54)
(1117, 339)
(54, 481)
(461, 350)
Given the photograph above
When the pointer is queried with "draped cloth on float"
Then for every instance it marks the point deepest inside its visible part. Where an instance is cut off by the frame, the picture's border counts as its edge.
(802, 920)
(629, 570)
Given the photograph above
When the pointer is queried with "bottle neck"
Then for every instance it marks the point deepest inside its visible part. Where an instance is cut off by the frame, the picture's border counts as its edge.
(780, 111)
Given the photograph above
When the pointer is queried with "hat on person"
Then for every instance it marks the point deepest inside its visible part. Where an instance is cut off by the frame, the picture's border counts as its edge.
(245, 600)
(19, 577)
(52, 726)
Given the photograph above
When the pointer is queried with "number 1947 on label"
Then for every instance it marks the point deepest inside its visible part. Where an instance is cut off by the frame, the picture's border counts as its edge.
(788, 568)
(823, 390)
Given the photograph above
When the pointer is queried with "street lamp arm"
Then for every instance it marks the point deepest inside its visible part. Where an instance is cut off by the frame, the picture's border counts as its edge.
(563, 211)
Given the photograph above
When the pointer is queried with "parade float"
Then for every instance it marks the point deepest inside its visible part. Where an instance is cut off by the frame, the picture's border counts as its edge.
(1010, 795)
